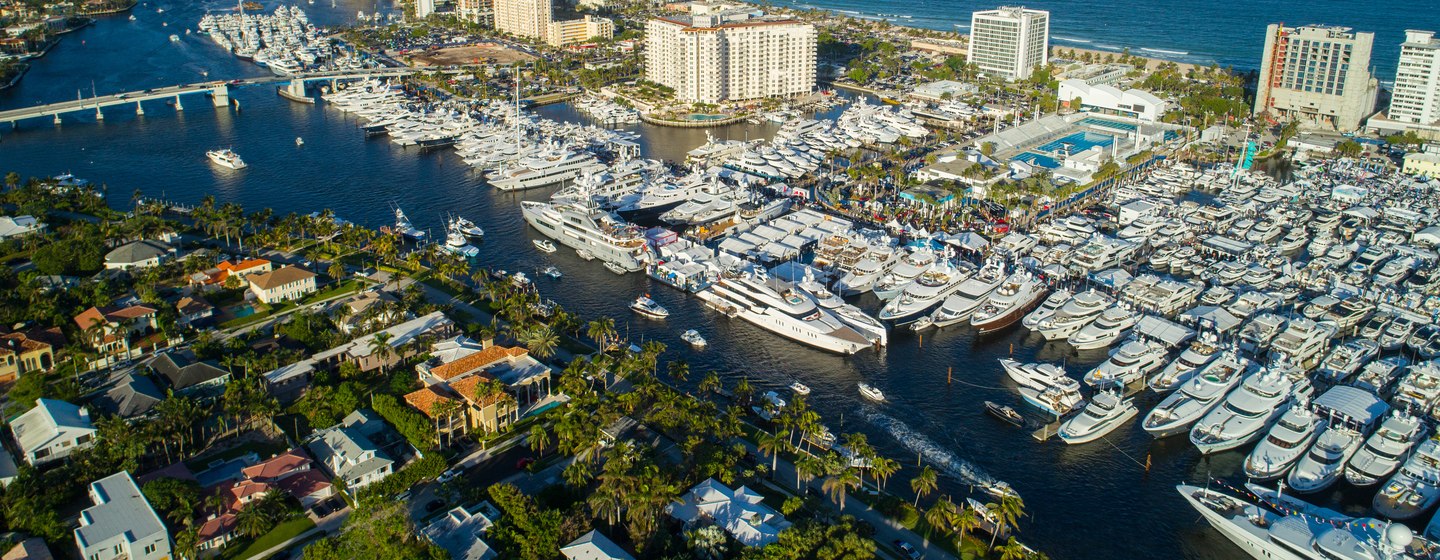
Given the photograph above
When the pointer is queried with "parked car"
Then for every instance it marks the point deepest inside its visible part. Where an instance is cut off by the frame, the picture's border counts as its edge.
(447, 476)
(524, 462)
(908, 550)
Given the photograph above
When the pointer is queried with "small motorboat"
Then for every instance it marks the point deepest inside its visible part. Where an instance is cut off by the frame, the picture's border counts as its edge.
(799, 388)
(649, 308)
(693, 337)
(584, 254)
(544, 245)
(872, 393)
(519, 280)
(922, 323)
(1005, 413)
(299, 141)
(552, 272)
(616, 268)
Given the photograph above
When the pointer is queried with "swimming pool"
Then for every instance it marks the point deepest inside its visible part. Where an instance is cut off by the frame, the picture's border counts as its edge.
(1076, 143)
(1033, 158)
(1108, 124)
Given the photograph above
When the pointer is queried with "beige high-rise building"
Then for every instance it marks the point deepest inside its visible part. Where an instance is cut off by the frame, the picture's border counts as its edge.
(574, 31)
(1010, 41)
(524, 18)
(1318, 75)
(476, 11)
(721, 52)
(1416, 99)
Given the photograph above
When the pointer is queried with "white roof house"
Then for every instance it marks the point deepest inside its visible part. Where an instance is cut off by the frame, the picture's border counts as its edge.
(347, 452)
(15, 226)
(121, 524)
(52, 430)
(137, 254)
(740, 512)
(1131, 102)
(594, 546)
(461, 532)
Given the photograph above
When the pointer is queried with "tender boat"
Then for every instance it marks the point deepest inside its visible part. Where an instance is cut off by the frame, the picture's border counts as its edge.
(1106, 412)
(552, 272)
(871, 393)
(1005, 413)
(649, 308)
(693, 337)
(615, 267)
(544, 245)
(799, 388)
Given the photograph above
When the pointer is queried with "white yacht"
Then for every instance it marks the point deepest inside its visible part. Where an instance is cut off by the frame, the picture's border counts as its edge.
(1350, 413)
(862, 322)
(917, 261)
(1302, 343)
(1419, 390)
(226, 158)
(469, 229)
(405, 228)
(1106, 412)
(1347, 359)
(586, 227)
(1256, 335)
(1312, 533)
(1106, 329)
(1008, 303)
(1038, 375)
(1386, 449)
(1058, 400)
(1047, 308)
(455, 242)
(553, 166)
(783, 311)
(1248, 410)
(1196, 397)
(1415, 487)
(1079, 311)
(1286, 442)
(1129, 363)
(966, 298)
(928, 290)
(693, 337)
(870, 392)
(1190, 361)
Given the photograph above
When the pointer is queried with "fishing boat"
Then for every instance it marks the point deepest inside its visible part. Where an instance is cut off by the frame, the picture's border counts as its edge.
(649, 308)
(872, 393)
(693, 337)
(544, 245)
(1005, 413)
(799, 388)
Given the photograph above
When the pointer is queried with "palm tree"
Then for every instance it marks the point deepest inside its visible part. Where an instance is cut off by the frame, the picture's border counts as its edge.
(807, 467)
(939, 516)
(542, 341)
(743, 390)
(602, 330)
(883, 468)
(577, 475)
(1012, 550)
(252, 521)
(539, 439)
(773, 445)
(1007, 514)
(965, 521)
(710, 383)
(679, 370)
(380, 347)
(836, 486)
(923, 484)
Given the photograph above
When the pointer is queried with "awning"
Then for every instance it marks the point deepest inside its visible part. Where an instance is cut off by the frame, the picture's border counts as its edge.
(1114, 278)
(1168, 332)
(969, 240)
(1210, 317)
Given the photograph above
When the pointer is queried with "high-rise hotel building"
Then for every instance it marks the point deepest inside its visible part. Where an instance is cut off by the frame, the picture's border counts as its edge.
(722, 52)
(1010, 41)
(1317, 74)
(524, 18)
(1416, 99)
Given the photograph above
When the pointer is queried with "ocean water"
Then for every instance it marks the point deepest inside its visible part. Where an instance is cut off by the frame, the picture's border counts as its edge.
(1089, 502)
(1226, 33)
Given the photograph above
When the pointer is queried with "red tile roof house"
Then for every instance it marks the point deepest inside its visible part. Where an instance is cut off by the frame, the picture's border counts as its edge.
(291, 472)
(111, 329)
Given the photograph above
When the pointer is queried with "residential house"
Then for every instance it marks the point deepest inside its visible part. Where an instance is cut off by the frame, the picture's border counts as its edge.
(130, 396)
(366, 310)
(18, 226)
(217, 531)
(285, 284)
(138, 254)
(186, 374)
(594, 546)
(32, 548)
(241, 269)
(52, 430)
(293, 474)
(740, 512)
(461, 532)
(121, 524)
(363, 351)
(348, 452)
(8, 470)
(194, 310)
(19, 354)
(470, 371)
(111, 329)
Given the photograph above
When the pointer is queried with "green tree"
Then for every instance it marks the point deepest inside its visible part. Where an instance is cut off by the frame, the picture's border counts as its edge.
(924, 483)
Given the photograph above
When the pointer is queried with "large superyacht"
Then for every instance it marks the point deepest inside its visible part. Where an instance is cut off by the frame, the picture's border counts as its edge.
(584, 227)
(783, 311)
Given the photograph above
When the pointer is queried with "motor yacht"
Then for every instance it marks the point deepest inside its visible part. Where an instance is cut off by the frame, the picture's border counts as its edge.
(1380, 375)
(1317, 533)
(226, 158)
(1020, 293)
(1413, 489)
(544, 246)
(1106, 412)
(649, 308)
(799, 388)
(1197, 396)
(782, 310)
(1248, 410)
(693, 337)
(583, 226)
(1346, 359)
(405, 228)
(1195, 356)
(1286, 442)
(1256, 335)
(1059, 399)
(1386, 449)
(870, 392)
(1350, 413)
(917, 261)
(1129, 363)
(469, 229)
(1399, 331)
(1105, 329)
(862, 322)
(1079, 311)
(969, 295)
(1303, 342)
(1047, 308)
(455, 242)
(1418, 391)
(928, 290)
(1037, 375)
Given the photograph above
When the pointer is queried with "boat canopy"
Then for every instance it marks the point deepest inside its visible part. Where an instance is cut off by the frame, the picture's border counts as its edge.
(968, 240)
(1351, 404)
(1168, 332)
(1232, 247)
(1114, 278)
(1212, 317)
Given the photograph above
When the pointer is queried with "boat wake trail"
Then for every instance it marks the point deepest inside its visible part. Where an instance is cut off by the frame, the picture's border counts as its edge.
(932, 452)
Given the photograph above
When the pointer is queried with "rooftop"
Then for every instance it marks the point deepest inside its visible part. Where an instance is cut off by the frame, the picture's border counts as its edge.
(280, 277)
(120, 510)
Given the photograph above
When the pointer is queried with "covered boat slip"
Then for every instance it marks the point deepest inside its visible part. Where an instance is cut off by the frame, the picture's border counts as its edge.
(1353, 406)
(1165, 331)
(1221, 245)
(1212, 318)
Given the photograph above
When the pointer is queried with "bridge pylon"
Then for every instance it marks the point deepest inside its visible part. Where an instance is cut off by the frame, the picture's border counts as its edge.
(221, 95)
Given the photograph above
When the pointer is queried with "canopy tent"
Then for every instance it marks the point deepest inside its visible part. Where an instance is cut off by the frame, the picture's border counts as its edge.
(1211, 317)
(1167, 332)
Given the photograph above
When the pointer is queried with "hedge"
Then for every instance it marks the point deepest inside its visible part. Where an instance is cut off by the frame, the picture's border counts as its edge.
(416, 429)
(429, 467)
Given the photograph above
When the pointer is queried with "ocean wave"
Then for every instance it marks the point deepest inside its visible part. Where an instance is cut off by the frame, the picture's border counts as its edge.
(948, 463)
(848, 11)
(1070, 39)
(1163, 51)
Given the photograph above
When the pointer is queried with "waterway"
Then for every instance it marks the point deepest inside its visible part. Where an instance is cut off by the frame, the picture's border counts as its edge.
(1090, 502)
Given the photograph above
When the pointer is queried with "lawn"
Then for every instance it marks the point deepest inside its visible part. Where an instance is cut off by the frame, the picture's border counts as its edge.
(348, 286)
(283, 532)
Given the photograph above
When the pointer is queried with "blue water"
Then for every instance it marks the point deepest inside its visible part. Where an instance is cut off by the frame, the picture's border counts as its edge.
(1226, 33)
(1089, 502)
(1076, 143)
